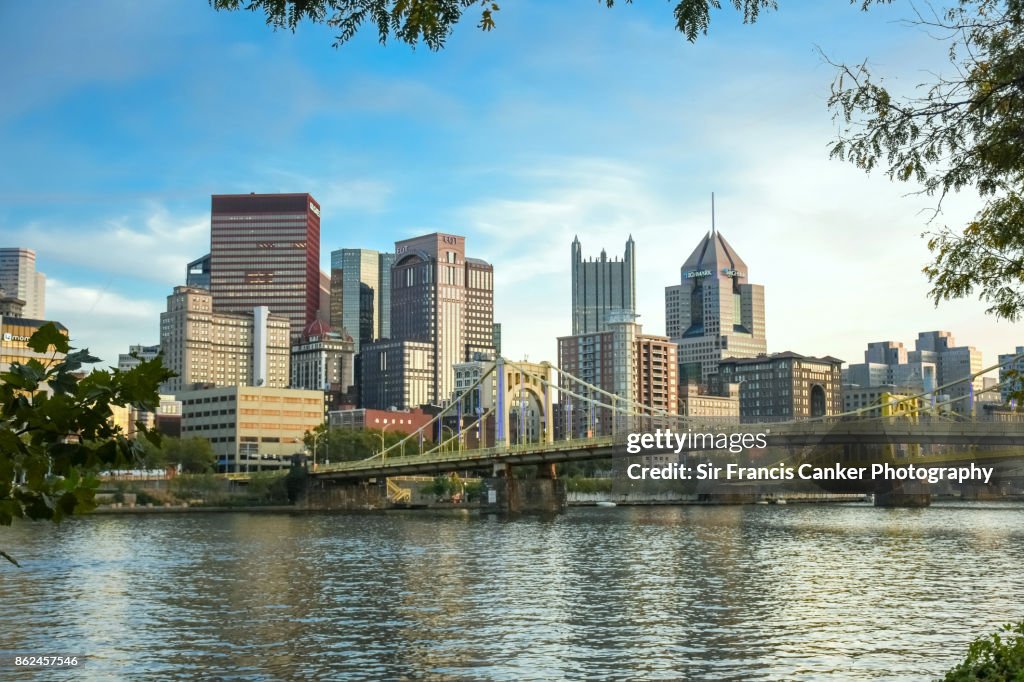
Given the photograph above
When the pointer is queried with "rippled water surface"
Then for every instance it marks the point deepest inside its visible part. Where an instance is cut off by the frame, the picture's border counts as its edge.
(747, 593)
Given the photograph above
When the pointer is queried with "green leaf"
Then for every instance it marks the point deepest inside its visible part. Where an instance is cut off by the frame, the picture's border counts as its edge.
(46, 336)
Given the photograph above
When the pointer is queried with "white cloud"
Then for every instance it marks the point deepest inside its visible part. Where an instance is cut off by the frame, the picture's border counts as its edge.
(840, 253)
(153, 246)
(101, 319)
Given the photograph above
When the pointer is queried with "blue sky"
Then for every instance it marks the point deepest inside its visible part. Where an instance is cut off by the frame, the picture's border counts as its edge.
(120, 118)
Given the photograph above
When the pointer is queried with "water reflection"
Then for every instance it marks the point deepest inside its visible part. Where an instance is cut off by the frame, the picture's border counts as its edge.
(797, 592)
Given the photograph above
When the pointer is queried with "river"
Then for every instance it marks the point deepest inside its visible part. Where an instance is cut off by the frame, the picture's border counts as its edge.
(797, 592)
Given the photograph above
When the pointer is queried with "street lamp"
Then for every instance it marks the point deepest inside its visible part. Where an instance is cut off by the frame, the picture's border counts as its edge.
(316, 439)
(381, 436)
(450, 430)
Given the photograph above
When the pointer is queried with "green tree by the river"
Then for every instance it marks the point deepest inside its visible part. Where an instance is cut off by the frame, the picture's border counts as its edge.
(56, 428)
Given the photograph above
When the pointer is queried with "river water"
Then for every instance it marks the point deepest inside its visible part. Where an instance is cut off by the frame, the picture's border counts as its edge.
(797, 592)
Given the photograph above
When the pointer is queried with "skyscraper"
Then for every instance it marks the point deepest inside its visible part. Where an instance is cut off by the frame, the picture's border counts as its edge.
(714, 312)
(265, 251)
(441, 298)
(361, 293)
(18, 277)
(601, 286)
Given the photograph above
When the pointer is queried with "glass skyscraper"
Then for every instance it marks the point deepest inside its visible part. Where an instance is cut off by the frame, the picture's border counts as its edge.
(361, 294)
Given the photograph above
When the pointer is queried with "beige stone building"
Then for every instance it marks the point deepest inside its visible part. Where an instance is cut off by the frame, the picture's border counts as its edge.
(204, 346)
(699, 405)
(251, 429)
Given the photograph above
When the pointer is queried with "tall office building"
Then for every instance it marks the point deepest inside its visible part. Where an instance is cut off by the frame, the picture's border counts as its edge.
(714, 313)
(601, 286)
(265, 251)
(441, 298)
(225, 349)
(361, 294)
(18, 277)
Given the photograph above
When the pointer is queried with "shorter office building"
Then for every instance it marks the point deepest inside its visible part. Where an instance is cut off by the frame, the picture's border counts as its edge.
(136, 355)
(167, 419)
(784, 386)
(935, 364)
(197, 273)
(324, 360)
(401, 421)
(14, 335)
(251, 428)
(1011, 376)
(11, 305)
(698, 404)
(991, 412)
(396, 374)
(640, 368)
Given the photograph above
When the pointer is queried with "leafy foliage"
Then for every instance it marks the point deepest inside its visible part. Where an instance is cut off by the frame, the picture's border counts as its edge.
(346, 445)
(432, 21)
(961, 132)
(194, 455)
(995, 658)
(410, 21)
(50, 438)
(445, 487)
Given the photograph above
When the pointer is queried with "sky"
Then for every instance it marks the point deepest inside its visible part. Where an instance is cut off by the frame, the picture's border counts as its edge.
(119, 119)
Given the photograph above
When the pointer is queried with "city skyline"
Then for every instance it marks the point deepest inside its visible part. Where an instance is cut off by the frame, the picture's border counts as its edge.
(573, 141)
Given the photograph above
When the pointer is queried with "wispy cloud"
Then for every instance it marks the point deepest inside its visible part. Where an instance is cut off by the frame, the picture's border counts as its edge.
(103, 319)
(151, 245)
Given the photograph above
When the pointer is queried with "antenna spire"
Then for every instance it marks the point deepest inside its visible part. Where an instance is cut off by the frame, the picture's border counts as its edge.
(712, 213)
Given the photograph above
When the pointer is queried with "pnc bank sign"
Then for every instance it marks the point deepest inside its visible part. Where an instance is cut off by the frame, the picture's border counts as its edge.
(314, 209)
(694, 274)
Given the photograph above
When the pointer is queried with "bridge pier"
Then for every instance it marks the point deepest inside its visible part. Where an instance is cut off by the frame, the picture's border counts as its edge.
(903, 494)
(506, 494)
(327, 494)
(982, 491)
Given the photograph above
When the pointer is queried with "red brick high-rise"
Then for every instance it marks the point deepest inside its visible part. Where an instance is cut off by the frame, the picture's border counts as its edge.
(265, 251)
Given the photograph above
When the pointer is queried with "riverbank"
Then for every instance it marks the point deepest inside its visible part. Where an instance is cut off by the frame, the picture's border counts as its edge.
(194, 509)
